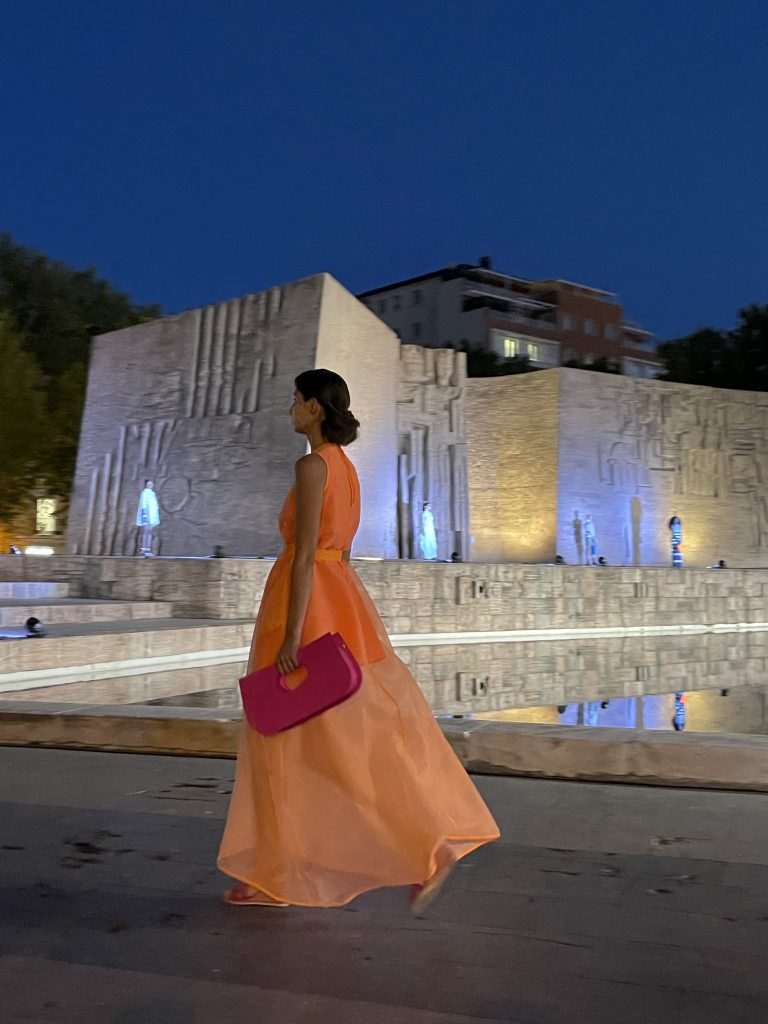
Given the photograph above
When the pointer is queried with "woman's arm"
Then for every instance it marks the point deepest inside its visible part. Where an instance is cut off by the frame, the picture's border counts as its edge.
(311, 475)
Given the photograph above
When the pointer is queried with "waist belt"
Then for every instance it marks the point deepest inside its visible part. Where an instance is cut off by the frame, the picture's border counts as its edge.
(321, 554)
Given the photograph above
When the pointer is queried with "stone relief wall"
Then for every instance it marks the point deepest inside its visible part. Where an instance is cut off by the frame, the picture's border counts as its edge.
(199, 403)
(432, 449)
(635, 452)
(512, 456)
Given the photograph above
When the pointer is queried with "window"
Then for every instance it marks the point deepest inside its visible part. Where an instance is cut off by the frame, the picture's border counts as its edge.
(511, 347)
(589, 327)
(566, 322)
(396, 303)
(382, 305)
(610, 331)
(416, 297)
(416, 331)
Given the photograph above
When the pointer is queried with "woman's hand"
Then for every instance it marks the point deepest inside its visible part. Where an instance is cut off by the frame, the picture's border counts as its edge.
(286, 660)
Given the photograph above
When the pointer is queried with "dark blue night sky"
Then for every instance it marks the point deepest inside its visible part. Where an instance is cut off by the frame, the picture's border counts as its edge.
(193, 151)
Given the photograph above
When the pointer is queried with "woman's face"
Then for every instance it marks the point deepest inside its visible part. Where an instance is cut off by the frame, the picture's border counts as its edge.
(303, 413)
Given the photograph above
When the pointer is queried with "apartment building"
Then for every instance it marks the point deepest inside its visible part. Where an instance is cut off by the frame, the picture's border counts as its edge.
(551, 321)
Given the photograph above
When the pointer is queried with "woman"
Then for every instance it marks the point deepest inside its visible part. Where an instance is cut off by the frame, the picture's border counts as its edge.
(369, 793)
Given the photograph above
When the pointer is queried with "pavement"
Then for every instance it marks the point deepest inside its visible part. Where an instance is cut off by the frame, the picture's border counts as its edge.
(602, 904)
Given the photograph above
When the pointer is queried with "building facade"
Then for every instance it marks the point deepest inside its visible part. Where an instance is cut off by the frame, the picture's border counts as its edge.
(551, 322)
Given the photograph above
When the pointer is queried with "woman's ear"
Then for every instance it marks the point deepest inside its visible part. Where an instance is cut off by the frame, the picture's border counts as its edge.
(315, 408)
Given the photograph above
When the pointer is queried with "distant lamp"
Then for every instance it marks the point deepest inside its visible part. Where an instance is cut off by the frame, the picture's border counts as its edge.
(34, 627)
(14, 550)
(38, 549)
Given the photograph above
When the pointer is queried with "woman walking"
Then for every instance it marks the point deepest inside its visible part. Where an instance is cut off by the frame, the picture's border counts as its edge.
(369, 793)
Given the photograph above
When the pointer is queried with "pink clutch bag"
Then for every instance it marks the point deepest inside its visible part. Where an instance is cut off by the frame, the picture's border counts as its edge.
(333, 675)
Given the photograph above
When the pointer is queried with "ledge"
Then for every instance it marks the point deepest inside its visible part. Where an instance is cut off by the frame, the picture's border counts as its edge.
(693, 760)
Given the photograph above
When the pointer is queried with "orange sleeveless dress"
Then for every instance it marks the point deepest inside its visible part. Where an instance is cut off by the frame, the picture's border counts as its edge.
(367, 794)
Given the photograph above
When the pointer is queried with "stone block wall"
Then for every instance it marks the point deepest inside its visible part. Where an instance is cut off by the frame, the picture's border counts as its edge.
(512, 457)
(425, 598)
(633, 453)
(199, 403)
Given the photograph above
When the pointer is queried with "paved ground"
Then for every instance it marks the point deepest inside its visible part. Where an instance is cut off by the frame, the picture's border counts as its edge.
(602, 905)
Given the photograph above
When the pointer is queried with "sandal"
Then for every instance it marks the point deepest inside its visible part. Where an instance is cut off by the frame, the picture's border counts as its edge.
(423, 894)
(241, 895)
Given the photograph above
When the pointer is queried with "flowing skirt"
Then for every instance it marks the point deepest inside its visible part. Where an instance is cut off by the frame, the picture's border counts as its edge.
(368, 794)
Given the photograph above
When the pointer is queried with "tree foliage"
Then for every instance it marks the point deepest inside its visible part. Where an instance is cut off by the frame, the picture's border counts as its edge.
(22, 418)
(59, 309)
(722, 359)
(481, 362)
(50, 311)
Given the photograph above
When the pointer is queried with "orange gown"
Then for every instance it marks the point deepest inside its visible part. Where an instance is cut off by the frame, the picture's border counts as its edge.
(367, 794)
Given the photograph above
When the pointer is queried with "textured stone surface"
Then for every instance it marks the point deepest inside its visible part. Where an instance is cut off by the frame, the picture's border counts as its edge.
(512, 455)
(199, 403)
(696, 760)
(432, 449)
(548, 449)
(418, 597)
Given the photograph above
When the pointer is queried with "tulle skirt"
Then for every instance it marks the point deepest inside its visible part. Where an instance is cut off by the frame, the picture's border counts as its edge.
(368, 794)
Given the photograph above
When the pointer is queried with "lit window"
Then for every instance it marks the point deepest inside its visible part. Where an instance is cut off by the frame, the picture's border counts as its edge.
(589, 327)
(533, 352)
(416, 331)
(511, 347)
(382, 305)
(416, 296)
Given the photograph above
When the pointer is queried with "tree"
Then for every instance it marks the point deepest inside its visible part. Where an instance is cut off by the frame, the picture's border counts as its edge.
(56, 310)
(481, 362)
(22, 419)
(600, 365)
(722, 359)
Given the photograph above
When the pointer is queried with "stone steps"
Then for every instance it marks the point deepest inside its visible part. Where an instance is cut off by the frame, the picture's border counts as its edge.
(80, 652)
(21, 591)
(54, 611)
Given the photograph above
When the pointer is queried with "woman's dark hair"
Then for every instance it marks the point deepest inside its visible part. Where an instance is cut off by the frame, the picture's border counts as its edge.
(331, 391)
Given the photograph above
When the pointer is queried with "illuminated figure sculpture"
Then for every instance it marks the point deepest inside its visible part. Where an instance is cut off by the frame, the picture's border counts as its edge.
(148, 516)
(590, 541)
(676, 536)
(428, 537)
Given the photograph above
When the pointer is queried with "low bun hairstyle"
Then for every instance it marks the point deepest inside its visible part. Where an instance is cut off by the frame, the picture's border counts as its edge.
(331, 391)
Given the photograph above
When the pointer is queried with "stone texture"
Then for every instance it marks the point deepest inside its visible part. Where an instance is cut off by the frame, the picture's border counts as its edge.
(547, 449)
(199, 403)
(512, 455)
(422, 598)
(693, 760)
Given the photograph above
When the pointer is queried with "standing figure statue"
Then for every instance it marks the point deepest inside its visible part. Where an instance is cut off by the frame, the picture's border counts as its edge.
(148, 516)
(590, 541)
(676, 536)
(428, 537)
